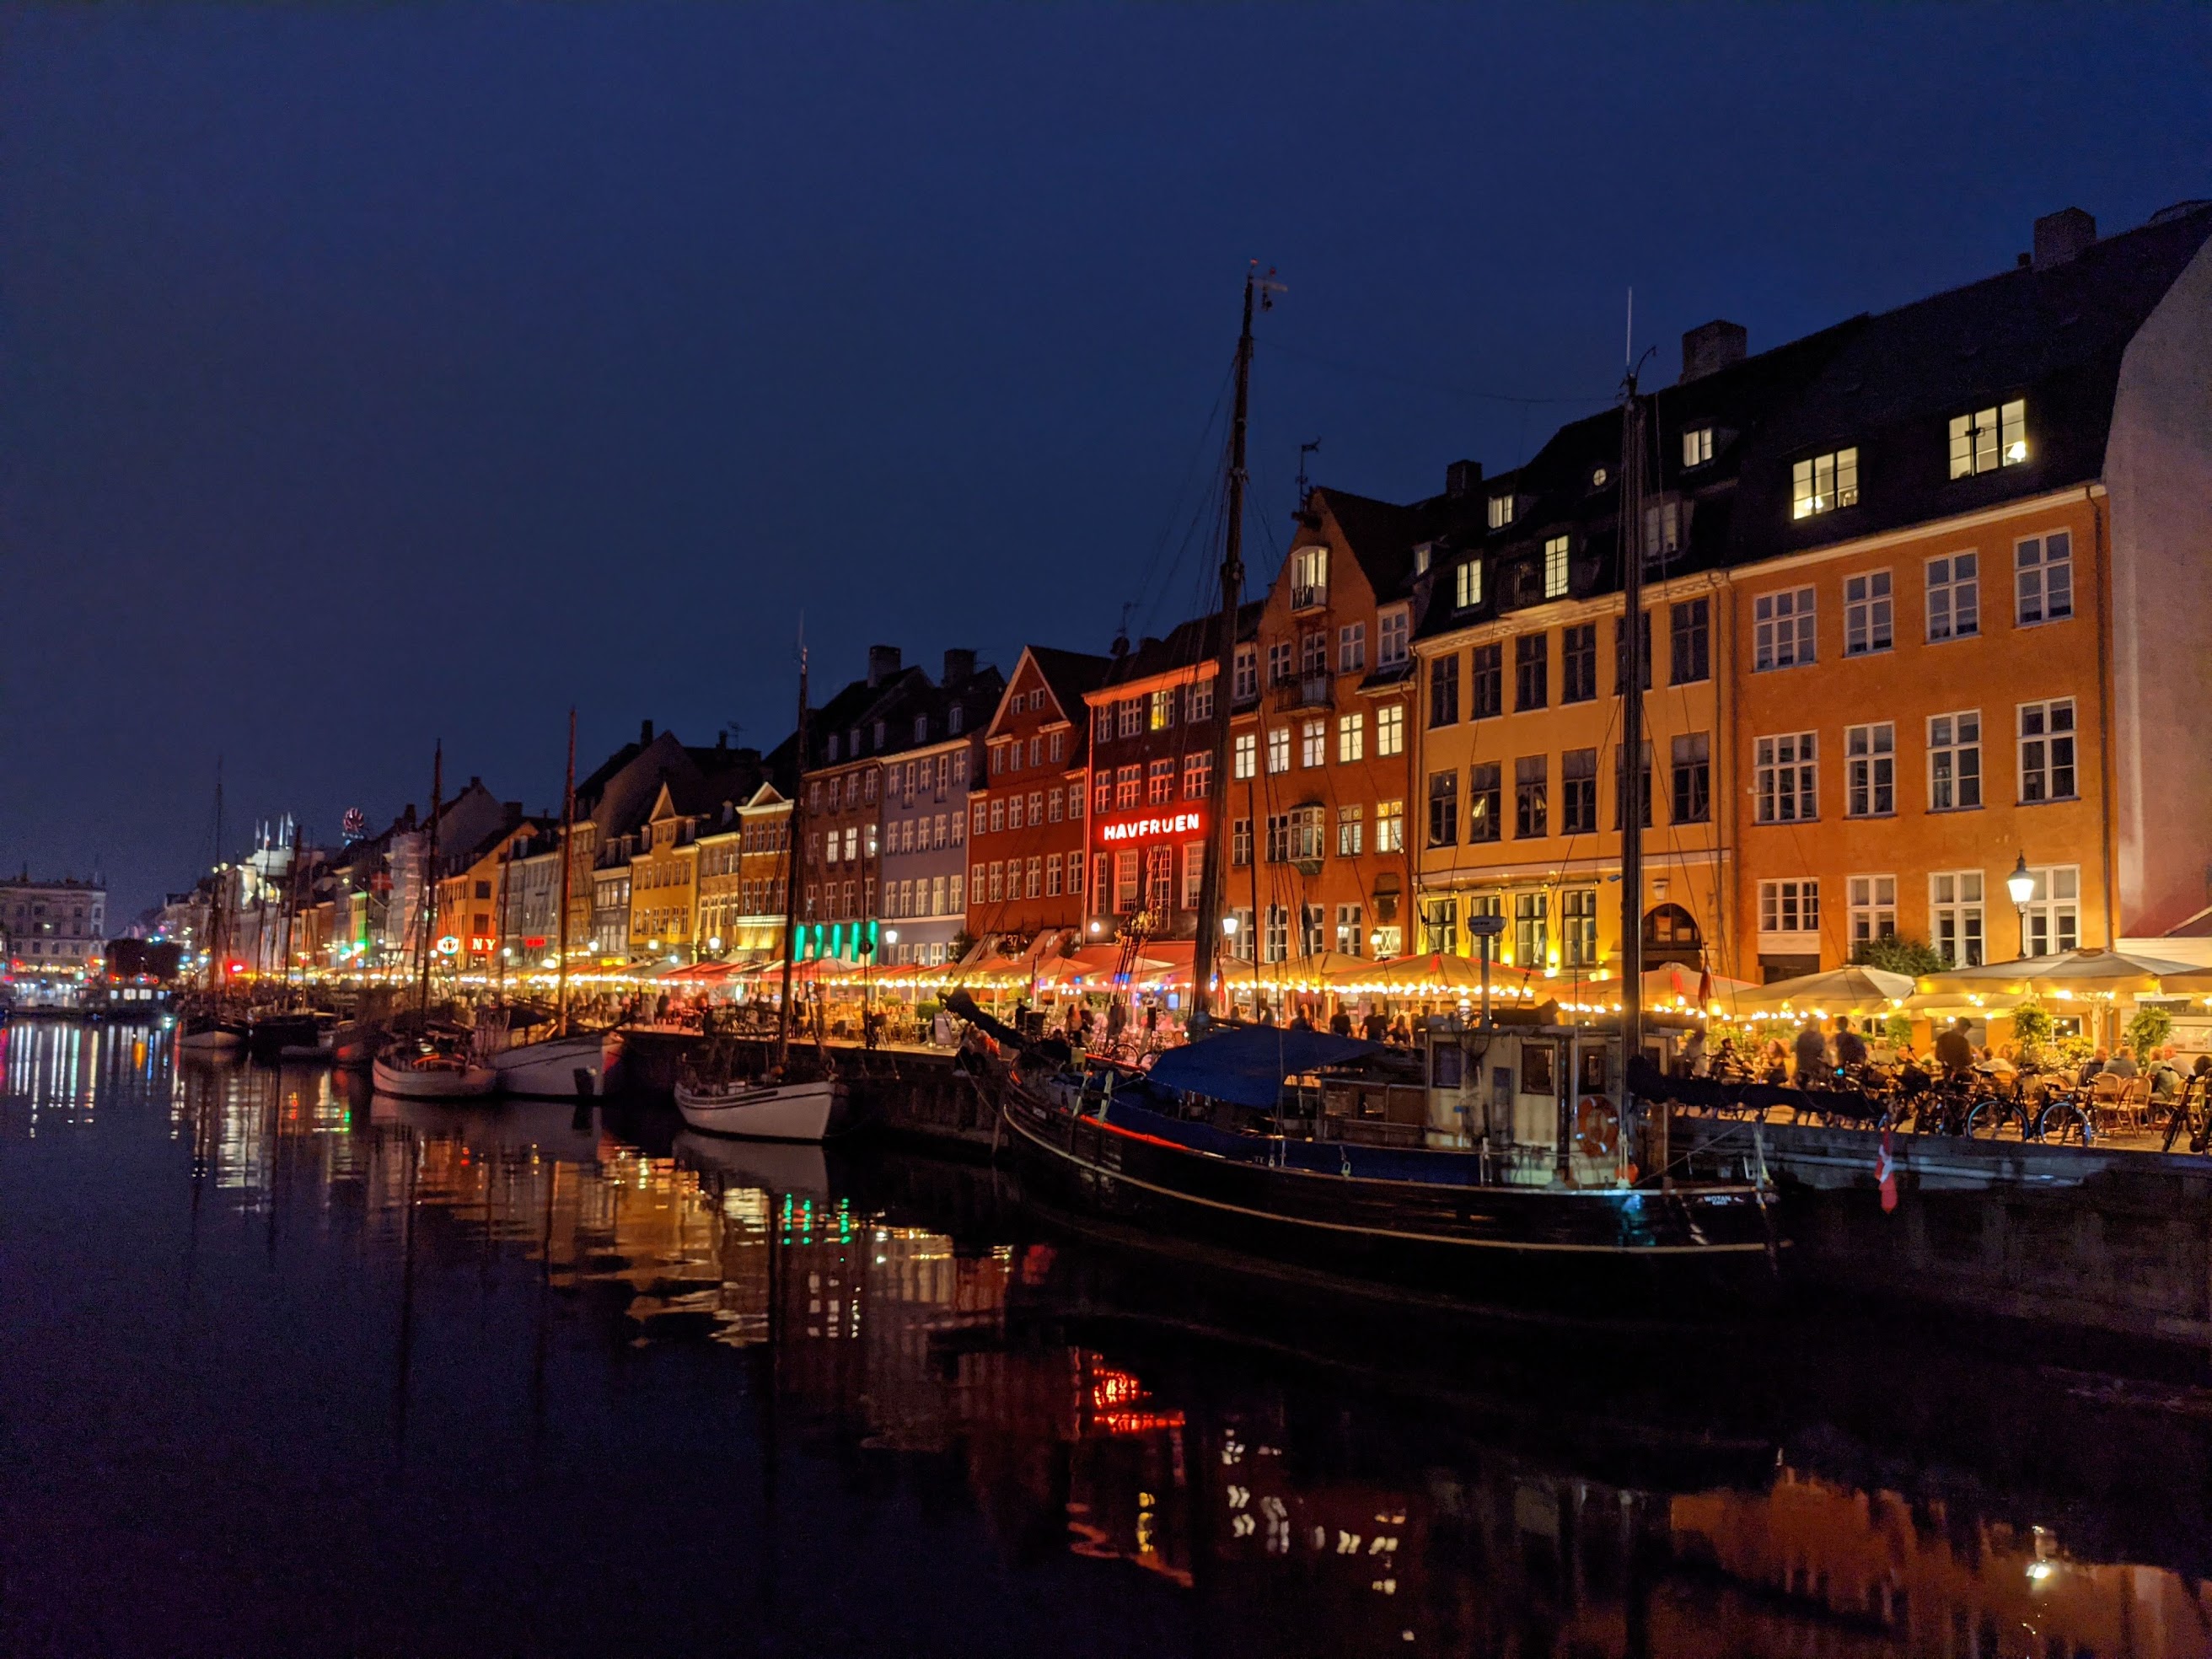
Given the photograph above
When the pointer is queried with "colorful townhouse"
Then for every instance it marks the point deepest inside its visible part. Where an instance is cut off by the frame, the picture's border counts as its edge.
(1027, 852)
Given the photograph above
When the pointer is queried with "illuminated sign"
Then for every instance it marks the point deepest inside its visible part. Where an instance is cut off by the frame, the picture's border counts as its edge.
(449, 946)
(1169, 824)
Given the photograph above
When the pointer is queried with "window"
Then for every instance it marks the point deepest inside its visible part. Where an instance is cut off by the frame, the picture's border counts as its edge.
(1101, 796)
(1194, 872)
(1440, 926)
(1013, 812)
(1128, 874)
(1697, 446)
(1159, 782)
(1313, 743)
(1349, 941)
(1282, 658)
(1444, 809)
(1390, 730)
(1487, 691)
(2043, 578)
(1128, 787)
(1351, 737)
(1101, 723)
(997, 888)
(1866, 613)
(1392, 631)
(1871, 906)
(1351, 648)
(1240, 842)
(1309, 835)
(1485, 813)
(1989, 438)
(1246, 684)
(1643, 784)
(1309, 577)
(1244, 755)
(1467, 585)
(1690, 628)
(1390, 826)
(1578, 927)
(2053, 917)
(1243, 941)
(1555, 567)
(1784, 779)
(1693, 777)
(2046, 750)
(1351, 827)
(1160, 711)
(1159, 879)
(1278, 837)
(1619, 650)
(1444, 691)
(956, 718)
(1313, 654)
(1279, 749)
(1277, 945)
(1052, 806)
(1033, 878)
(1531, 797)
(1197, 703)
(1197, 776)
(1782, 629)
(1954, 761)
(1578, 663)
(1662, 532)
(1501, 512)
(1824, 484)
(1530, 947)
(1869, 771)
(1579, 792)
(1051, 875)
(1531, 668)
(1129, 716)
(1954, 916)
(1790, 907)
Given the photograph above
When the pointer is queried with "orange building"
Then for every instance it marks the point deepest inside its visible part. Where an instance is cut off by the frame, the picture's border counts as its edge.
(469, 895)
(1026, 847)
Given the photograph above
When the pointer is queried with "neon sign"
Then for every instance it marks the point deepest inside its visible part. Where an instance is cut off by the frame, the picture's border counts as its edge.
(1171, 823)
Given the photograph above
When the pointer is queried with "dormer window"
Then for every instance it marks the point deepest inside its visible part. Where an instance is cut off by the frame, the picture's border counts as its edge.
(955, 719)
(1391, 629)
(921, 728)
(1555, 567)
(1467, 585)
(1501, 512)
(879, 734)
(1421, 558)
(1989, 439)
(833, 746)
(1697, 446)
(1824, 483)
(1309, 577)
(1598, 476)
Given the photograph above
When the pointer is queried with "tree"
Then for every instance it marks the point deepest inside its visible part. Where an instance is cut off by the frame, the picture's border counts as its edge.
(1897, 953)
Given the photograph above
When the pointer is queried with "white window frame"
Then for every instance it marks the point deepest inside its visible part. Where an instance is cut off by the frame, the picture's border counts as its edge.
(1351, 648)
(1790, 915)
(1467, 585)
(1390, 729)
(1870, 770)
(1390, 826)
(1954, 761)
(1697, 446)
(1958, 922)
(1279, 749)
(2043, 579)
(1786, 779)
(1869, 613)
(1785, 628)
(1244, 756)
(1556, 570)
(1393, 630)
(2043, 740)
(1500, 510)
(1870, 910)
(1821, 483)
(1351, 737)
(2054, 909)
(1988, 439)
(1953, 583)
(1313, 743)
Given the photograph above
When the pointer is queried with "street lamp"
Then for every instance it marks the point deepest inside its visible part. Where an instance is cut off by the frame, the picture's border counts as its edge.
(2021, 885)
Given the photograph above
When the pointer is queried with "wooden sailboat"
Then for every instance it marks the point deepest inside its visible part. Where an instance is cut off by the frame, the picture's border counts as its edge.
(563, 1063)
(207, 1025)
(1489, 1165)
(798, 1097)
(423, 1065)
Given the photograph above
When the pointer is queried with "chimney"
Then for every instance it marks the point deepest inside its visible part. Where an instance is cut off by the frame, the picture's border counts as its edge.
(959, 668)
(883, 663)
(2059, 236)
(1711, 346)
(1463, 479)
(645, 732)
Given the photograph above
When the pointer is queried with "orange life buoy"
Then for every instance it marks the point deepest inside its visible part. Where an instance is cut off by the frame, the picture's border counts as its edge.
(1597, 1128)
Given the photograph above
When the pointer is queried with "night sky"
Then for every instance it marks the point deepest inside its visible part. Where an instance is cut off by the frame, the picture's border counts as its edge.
(371, 374)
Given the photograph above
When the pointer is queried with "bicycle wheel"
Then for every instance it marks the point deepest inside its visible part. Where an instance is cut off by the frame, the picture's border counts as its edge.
(1989, 1119)
(2063, 1123)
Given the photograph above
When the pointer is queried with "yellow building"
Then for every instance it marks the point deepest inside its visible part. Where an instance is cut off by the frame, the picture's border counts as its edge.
(664, 883)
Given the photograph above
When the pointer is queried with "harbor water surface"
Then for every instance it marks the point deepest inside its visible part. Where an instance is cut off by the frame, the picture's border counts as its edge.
(285, 1370)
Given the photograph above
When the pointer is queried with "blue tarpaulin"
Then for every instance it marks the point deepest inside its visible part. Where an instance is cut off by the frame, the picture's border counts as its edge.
(1248, 1066)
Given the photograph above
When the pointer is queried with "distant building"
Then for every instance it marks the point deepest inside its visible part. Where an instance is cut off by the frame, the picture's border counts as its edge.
(53, 927)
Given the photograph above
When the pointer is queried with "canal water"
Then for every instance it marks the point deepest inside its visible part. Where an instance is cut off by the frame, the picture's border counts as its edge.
(284, 1371)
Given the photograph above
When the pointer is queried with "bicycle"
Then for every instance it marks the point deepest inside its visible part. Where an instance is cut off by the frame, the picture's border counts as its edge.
(2057, 1118)
(2192, 1110)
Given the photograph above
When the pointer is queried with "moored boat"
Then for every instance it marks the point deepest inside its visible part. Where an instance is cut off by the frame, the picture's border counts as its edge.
(560, 1068)
(434, 1073)
(757, 1108)
(211, 1033)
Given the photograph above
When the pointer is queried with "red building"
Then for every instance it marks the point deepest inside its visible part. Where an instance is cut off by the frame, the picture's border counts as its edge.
(1025, 823)
(1154, 726)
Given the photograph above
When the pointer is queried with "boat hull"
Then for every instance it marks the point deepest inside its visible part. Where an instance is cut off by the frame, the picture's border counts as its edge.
(433, 1083)
(1595, 1252)
(548, 1070)
(768, 1111)
(211, 1039)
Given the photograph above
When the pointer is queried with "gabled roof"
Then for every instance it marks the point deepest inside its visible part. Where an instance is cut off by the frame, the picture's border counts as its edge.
(1067, 675)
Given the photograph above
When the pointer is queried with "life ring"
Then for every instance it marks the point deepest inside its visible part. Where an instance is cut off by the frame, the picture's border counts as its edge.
(1597, 1128)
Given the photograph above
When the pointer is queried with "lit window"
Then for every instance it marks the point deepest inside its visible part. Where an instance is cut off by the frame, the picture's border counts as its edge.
(1501, 512)
(1467, 585)
(1279, 749)
(1390, 730)
(1161, 713)
(1351, 737)
(1390, 826)
(1555, 567)
(1988, 439)
(1782, 629)
(1309, 577)
(1955, 597)
(1824, 483)
(2043, 570)
(1867, 618)
(1244, 755)
(1697, 446)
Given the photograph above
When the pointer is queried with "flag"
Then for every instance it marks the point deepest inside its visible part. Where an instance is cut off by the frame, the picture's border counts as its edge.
(1884, 1171)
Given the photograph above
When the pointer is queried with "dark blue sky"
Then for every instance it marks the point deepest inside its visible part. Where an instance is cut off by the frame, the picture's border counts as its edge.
(369, 374)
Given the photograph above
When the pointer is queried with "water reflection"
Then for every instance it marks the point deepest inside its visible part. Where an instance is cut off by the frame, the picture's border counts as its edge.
(903, 1321)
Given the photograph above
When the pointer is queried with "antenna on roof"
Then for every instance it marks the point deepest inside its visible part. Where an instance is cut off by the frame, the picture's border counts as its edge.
(1628, 343)
(1305, 486)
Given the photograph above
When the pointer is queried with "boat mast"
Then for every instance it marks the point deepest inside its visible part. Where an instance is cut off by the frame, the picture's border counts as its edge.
(1212, 878)
(1631, 743)
(427, 912)
(218, 926)
(567, 863)
(792, 842)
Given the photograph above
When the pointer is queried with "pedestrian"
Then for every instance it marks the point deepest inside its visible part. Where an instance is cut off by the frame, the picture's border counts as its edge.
(1954, 1052)
(1375, 1028)
(1692, 1058)
(1339, 1023)
(1850, 1047)
(1301, 1021)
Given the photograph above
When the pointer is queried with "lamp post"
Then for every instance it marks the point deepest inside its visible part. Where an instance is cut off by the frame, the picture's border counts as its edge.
(1486, 927)
(1228, 955)
(2021, 885)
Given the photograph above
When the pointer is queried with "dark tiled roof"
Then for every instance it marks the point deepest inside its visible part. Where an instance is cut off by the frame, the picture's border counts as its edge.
(1069, 674)
(1186, 645)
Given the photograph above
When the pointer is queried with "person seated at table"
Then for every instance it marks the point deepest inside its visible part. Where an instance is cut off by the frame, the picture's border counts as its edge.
(1401, 1033)
(2123, 1065)
(1774, 1063)
(2165, 1076)
(1850, 1047)
(1691, 1060)
(1954, 1052)
(2090, 1068)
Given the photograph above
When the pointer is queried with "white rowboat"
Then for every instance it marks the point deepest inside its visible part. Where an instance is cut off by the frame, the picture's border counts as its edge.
(764, 1111)
(547, 1070)
(436, 1081)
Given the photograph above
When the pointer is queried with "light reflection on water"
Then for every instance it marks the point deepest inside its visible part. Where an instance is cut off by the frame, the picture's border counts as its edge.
(930, 1375)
